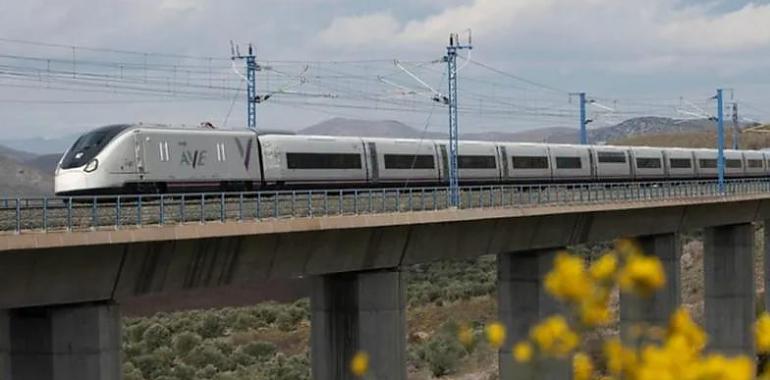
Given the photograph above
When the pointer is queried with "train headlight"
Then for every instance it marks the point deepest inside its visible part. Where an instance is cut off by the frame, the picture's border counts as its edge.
(92, 165)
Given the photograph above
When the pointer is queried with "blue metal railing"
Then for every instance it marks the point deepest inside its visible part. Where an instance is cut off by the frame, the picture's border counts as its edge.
(92, 212)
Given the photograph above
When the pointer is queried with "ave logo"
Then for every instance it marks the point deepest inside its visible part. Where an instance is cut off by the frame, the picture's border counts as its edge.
(194, 158)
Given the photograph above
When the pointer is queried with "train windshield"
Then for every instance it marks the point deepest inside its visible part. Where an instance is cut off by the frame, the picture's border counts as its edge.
(89, 145)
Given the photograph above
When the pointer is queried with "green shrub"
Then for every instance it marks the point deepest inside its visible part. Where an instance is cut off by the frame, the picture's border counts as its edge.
(281, 367)
(245, 321)
(206, 354)
(184, 342)
(442, 353)
(211, 326)
(130, 372)
(258, 350)
(156, 336)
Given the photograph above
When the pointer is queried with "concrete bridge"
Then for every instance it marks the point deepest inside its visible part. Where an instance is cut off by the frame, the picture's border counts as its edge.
(60, 288)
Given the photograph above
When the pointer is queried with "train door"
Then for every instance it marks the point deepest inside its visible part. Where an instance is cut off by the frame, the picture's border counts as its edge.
(503, 157)
(139, 151)
(374, 165)
(631, 163)
(592, 163)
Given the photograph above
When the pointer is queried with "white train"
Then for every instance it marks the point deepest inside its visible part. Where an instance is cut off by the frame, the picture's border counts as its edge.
(151, 159)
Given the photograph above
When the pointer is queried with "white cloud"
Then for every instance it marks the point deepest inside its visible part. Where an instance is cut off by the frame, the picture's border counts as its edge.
(746, 28)
(354, 31)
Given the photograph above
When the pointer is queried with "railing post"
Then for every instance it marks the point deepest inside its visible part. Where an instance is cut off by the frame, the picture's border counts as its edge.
(222, 211)
(240, 207)
(275, 205)
(18, 215)
(410, 199)
(162, 206)
(45, 214)
(139, 211)
(341, 205)
(258, 214)
(69, 213)
(326, 203)
(181, 209)
(369, 209)
(203, 208)
(117, 212)
(355, 202)
(310, 203)
(293, 203)
(398, 200)
(94, 211)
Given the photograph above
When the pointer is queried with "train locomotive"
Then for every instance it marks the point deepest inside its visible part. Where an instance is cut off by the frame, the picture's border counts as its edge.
(137, 158)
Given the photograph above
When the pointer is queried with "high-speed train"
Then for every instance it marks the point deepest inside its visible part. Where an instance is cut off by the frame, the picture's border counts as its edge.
(154, 159)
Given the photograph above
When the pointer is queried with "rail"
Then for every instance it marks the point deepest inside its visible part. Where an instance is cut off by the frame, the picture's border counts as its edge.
(18, 215)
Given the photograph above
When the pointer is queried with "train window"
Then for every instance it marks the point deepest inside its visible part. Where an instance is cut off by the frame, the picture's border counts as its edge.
(734, 163)
(708, 163)
(530, 162)
(611, 157)
(647, 163)
(680, 163)
(476, 162)
(409, 161)
(323, 160)
(89, 145)
(568, 163)
(753, 163)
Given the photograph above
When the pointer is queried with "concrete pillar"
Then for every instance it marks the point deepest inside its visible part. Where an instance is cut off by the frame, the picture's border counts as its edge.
(729, 288)
(522, 302)
(658, 307)
(766, 297)
(80, 341)
(358, 311)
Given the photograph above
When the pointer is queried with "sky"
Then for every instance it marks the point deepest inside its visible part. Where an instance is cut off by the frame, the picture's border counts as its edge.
(618, 51)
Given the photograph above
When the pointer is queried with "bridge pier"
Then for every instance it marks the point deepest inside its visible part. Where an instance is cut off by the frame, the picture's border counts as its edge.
(358, 311)
(729, 287)
(766, 298)
(658, 307)
(522, 301)
(79, 341)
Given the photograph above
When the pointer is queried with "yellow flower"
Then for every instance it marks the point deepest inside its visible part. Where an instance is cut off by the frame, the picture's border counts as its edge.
(582, 367)
(620, 359)
(627, 247)
(762, 333)
(568, 280)
(603, 269)
(681, 324)
(359, 365)
(642, 275)
(465, 335)
(522, 352)
(554, 336)
(495, 334)
(595, 313)
(720, 367)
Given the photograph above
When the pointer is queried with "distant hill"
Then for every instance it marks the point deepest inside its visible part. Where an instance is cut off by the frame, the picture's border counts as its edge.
(747, 140)
(367, 128)
(20, 179)
(45, 163)
(396, 129)
(556, 135)
(640, 126)
(40, 145)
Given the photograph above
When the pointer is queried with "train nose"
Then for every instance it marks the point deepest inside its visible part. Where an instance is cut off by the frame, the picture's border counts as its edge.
(69, 180)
